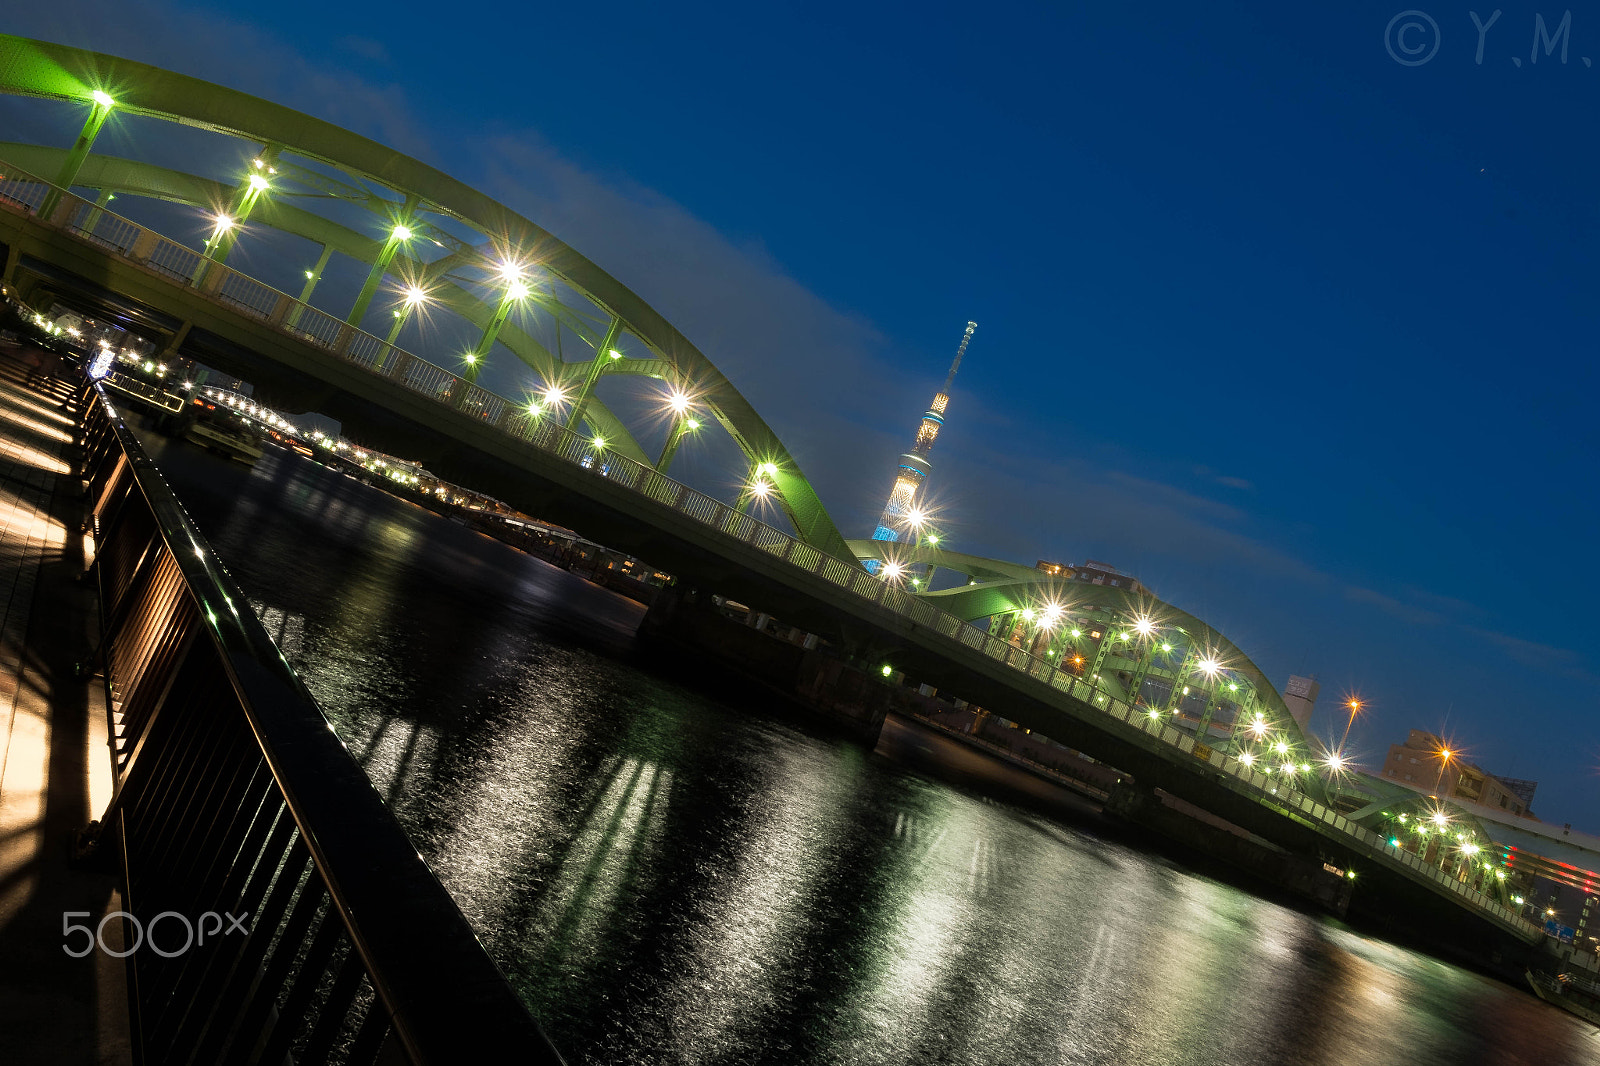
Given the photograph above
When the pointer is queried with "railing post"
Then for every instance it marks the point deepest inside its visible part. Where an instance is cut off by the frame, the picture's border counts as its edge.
(210, 277)
(280, 309)
(341, 342)
(144, 245)
(60, 215)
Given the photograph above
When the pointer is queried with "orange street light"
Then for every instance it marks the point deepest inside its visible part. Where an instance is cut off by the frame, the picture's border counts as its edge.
(1445, 755)
(1355, 707)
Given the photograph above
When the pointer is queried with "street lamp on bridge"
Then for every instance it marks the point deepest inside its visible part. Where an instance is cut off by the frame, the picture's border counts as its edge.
(516, 289)
(681, 407)
(412, 297)
(761, 488)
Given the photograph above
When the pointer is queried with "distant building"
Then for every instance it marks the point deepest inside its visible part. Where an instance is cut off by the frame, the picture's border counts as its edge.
(1300, 696)
(1555, 870)
(1421, 763)
(1092, 572)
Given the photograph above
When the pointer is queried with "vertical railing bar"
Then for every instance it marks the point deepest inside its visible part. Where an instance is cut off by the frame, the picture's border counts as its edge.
(141, 717)
(275, 965)
(215, 1003)
(372, 1036)
(177, 855)
(136, 990)
(231, 874)
(336, 1010)
(233, 1001)
(291, 1017)
(102, 492)
(128, 654)
(185, 887)
(138, 710)
(121, 603)
(157, 815)
(171, 762)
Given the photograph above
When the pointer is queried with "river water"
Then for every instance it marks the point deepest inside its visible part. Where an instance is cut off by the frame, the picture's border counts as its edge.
(669, 880)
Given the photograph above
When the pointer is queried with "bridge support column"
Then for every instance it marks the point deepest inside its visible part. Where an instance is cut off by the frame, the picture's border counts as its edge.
(670, 449)
(516, 289)
(1179, 679)
(172, 349)
(98, 113)
(313, 276)
(1210, 711)
(1108, 637)
(93, 218)
(244, 201)
(1141, 670)
(602, 359)
(1246, 711)
(398, 235)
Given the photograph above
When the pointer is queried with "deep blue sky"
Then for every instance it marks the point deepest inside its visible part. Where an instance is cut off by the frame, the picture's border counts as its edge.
(1301, 336)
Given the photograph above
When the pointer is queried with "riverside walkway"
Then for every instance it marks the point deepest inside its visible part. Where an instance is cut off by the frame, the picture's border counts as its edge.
(55, 773)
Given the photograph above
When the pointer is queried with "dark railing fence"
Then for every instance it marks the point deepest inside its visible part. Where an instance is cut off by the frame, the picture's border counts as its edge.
(233, 796)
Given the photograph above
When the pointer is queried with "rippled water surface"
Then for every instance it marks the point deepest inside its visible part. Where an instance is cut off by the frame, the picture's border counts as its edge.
(672, 881)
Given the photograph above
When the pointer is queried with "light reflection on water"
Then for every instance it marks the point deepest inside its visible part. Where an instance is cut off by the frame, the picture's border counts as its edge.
(670, 881)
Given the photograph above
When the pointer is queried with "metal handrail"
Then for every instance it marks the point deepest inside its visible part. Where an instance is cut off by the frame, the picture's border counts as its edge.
(354, 346)
(217, 743)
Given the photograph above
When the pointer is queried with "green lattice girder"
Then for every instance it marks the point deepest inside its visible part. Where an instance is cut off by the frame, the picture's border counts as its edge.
(51, 71)
(1003, 587)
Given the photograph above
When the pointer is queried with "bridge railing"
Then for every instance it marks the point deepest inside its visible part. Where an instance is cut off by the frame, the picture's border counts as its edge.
(353, 346)
(274, 909)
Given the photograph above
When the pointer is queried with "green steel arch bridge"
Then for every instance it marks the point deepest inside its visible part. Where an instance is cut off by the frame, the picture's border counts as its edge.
(1112, 672)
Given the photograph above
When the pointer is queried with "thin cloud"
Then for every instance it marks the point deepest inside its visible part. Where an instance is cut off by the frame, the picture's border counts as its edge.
(209, 47)
(1092, 510)
(1393, 607)
(1225, 480)
(367, 49)
(1532, 653)
(1457, 610)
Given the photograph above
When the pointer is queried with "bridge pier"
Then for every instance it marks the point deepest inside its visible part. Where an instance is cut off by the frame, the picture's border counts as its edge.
(1129, 800)
(1312, 879)
(687, 633)
(174, 346)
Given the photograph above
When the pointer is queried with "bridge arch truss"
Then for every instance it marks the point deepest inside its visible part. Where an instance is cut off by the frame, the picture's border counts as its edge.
(417, 230)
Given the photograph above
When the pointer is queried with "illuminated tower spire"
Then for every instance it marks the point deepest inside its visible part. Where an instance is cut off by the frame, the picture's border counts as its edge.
(914, 466)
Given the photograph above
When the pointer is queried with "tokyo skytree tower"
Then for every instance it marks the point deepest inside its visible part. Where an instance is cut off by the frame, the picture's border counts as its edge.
(914, 466)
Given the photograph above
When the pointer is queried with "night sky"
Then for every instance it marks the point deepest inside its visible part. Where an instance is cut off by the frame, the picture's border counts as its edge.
(1292, 331)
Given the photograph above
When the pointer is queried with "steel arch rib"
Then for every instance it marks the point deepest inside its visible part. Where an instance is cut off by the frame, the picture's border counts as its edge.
(52, 71)
(135, 178)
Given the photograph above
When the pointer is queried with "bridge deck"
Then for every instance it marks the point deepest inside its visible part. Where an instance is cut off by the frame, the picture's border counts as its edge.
(54, 772)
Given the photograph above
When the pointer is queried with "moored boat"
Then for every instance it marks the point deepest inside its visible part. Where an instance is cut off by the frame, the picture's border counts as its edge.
(1574, 995)
(231, 441)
